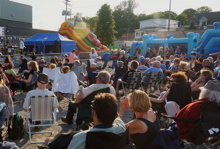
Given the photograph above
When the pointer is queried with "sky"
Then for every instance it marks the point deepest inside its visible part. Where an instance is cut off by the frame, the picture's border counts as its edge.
(47, 14)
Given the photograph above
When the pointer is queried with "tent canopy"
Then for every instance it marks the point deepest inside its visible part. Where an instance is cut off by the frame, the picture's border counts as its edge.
(43, 41)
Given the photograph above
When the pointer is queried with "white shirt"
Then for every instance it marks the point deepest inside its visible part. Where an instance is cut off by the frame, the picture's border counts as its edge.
(95, 87)
(21, 45)
(39, 92)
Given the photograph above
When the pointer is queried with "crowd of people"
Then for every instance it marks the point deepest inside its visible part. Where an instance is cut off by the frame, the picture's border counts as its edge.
(185, 82)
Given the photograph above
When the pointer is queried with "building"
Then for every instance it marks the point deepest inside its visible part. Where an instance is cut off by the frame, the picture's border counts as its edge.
(155, 25)
(16, 22)
(206, 20)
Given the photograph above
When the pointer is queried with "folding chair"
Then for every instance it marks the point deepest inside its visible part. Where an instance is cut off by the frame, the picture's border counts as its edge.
(151, 80)
(41, 110)
(133, 82)
(204, 129)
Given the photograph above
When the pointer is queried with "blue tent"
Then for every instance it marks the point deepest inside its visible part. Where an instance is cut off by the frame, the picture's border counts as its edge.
(49, 42)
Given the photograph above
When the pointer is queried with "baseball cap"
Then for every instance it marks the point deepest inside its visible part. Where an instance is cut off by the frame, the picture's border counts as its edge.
(99, 64)
(42, 78)
(213, 85)
(142, 60)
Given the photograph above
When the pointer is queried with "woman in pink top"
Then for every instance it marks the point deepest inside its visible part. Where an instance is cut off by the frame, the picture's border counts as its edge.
(72, 56)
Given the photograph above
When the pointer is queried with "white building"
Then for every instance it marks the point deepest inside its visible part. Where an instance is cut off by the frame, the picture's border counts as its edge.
(155, 25)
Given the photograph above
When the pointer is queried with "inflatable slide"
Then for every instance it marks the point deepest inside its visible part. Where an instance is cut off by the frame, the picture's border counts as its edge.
(85, 39)
(210, 40)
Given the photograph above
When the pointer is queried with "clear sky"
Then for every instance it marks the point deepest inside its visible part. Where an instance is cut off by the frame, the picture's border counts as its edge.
(47, 14)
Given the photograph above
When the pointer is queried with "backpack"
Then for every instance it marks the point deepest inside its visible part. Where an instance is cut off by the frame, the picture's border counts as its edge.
(15, 126)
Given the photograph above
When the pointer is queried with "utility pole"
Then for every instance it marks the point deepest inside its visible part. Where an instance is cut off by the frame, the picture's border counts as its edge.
(65, 12)
(169, 16)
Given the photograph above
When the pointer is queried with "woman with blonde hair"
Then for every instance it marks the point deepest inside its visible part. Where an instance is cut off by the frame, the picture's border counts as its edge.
(184, 67)
(144, 128)
(30, 76)
(160, 51)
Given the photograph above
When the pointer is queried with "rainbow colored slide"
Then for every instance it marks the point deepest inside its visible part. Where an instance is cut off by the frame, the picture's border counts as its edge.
(85, 39)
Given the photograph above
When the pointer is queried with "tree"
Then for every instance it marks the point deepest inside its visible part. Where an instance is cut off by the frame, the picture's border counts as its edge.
(182, 18)
(91, 22)
(204, 9)
(165, 15)
(192, 23)
(189, 12)
(125, 19)
(105, 25)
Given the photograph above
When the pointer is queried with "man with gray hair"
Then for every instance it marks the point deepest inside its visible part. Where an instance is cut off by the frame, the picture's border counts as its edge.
(210, 92)
(155, 68)
(102, 81)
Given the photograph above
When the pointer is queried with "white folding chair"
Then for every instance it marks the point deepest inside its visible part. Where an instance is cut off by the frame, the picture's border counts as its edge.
(41, 110)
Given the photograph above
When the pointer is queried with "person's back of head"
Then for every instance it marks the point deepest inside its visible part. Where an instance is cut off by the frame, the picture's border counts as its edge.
(120, 64)
(105, 106)
(205, 62)
(211, 91)
(65, 69)
(156, 64)
(104, 77)
(52, 66)
(134, 64)
(42, 81)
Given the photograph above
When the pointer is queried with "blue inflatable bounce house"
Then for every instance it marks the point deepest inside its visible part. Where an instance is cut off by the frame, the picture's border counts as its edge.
(210, 42)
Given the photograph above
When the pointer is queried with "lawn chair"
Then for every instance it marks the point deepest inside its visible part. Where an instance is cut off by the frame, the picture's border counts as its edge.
(133, 82)
(204, 129)
(151, 80)
(41, 110)
(84, 112)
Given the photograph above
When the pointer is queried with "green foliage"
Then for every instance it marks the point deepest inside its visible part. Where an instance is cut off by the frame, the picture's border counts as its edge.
(125, 19)
(105, 25)
(182, 18)
(204, 9)
(192, 23)
(189, 12)
(90, 22)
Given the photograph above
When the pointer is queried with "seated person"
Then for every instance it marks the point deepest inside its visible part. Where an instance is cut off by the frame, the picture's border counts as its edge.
(144, 128)
(205, 74)
(30, 76)
(10, 71)
(104, 115)
(6, 98)
(210, 92)
(120, 70)
(142, 65)
(5, 79)
(41, 90)
(23, 65)
(102, 81)
(92, 73)
(174, 67)
(133, 68)
(2, 118)
(178, 95)
(155, 68)
(79, 69)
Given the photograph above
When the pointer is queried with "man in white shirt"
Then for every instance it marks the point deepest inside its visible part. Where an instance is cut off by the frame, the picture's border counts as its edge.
(21, 45)
(102, 81)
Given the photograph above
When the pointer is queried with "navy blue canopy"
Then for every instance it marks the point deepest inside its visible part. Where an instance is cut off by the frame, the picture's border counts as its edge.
(46, 42)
